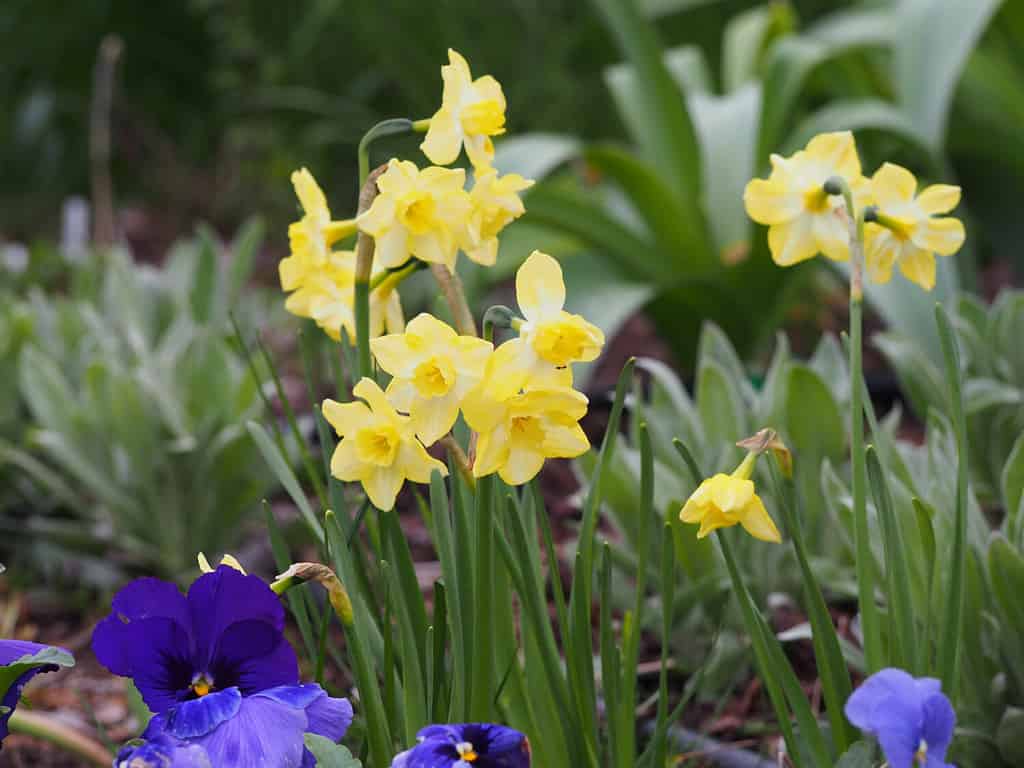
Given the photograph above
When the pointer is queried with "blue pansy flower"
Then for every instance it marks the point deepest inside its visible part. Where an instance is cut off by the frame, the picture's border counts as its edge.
(467, 745)
(36, 658)
(910, 717)
(215, 668)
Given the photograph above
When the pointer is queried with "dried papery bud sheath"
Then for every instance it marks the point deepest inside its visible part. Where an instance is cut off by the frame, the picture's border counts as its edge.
(765, 440)
(300, 573)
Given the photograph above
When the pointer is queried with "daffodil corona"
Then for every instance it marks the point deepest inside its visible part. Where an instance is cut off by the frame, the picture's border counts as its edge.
(803, 220)
(421, 213)
(724, 500)
(432, 368)
(378, 446)
(902, 229)
(472, 111)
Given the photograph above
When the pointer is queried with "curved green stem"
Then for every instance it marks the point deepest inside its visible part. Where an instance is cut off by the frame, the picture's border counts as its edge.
(384, 128)
(48, 729)
(497, 316)
(388, 281)
(870, 624)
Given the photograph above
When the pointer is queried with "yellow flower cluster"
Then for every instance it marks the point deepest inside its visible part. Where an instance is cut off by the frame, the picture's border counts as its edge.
(518, 398)
(804, 219)
(425, 213)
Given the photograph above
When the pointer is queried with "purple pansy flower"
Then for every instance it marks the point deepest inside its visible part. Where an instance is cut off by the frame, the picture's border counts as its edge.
(215, 668)
(910, 717)
(21, 651)
(467, 745)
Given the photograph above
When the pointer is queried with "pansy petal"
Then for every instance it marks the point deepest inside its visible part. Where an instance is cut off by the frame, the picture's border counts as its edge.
(329, 717)
(939, 198)
(198, 717)
(943, 236)
(938, 723)
(891, 185)
(254, 656)
(863, 705)
(264, 732)
(540, 289)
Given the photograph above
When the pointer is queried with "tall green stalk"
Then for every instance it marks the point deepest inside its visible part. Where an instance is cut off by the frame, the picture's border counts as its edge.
(865, 560)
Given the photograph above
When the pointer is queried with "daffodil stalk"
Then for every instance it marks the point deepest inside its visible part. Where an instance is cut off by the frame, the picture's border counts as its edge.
(364, 267)
(47, 728)
(870, 625)
(497, 316)
(388, 281)
(451, 287)
(384, 128)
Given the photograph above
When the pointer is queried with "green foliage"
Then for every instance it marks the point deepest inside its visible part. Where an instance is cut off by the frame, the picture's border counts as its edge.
(9, 673)
(133, 450)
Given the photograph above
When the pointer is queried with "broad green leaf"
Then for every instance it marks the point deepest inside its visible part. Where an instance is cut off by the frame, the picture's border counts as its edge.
(855, 28)
(279, 466)
(980, 394)
(243, 255)
(9, 673)
(727, 129)
(535, 155)
(1012, 483)
(722, 413)
(747, 36)
(203, 295)
(789, 63)
(813, 420)
(919, 376)
(933, 40)
(656, 8)
(863, 115)
(328, 754)
(1006, 570)
(1010, 736)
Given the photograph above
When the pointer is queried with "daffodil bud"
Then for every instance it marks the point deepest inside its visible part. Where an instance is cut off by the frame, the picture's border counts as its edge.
(299, 573)
(768, 440)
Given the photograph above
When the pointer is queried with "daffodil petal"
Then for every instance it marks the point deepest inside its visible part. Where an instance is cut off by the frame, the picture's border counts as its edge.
(345, 464)
(346, 418)
(792, 242)
(831, 236)
(943, 236)
(491, 452)
(770, 202)
(394, 354)
(881, 250)
(416, 464)
(367, 389)
(540, 289)
(521, 466)
(309, 193)
(918, 266)
(434, 417)
(382, 485)
(837, 150)
(391, 248)
(939, 198)
(444, 139)
(891, 185)
(758, 523)
(565, 440)
(730, 494)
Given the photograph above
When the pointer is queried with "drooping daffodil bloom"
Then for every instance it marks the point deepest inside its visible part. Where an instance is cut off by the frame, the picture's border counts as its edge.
(21, 660)
(496, 203)
(550, 339)
(480, 745)
(725, 500)
(421, 213)
(472, 111)
(311, 237)
(902, 228)
(519, 430)
(217, 672)
(378, 445)
(325, 293)
(432, 368)
(911, 718)
(803, 219)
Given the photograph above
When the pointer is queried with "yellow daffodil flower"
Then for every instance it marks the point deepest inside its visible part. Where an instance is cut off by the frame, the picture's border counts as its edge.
(326, 294)
(378, 445)
(433, 369)
(803, 220)
(518, 431)
(496, 204)
(421, 213)
(471, 112)
(903, 229)
(549, 339)
(725, 500)
(311, 237)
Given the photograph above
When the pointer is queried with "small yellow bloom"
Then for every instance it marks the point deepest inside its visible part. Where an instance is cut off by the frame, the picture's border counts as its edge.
(229, 560)
(725, 500)
(378, 445)
(550, 338)
(802, 219)
(496, 204)
(326, 294)
(421, 213)
(518, 431)
(906, 233)
(471, 112)
(311, 237)
(433, 369)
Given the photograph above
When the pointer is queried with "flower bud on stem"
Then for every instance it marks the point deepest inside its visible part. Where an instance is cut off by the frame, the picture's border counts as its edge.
(300, 573)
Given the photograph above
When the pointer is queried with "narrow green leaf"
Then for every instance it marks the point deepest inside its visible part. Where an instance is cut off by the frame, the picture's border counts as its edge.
(243, 255)
(284, 474)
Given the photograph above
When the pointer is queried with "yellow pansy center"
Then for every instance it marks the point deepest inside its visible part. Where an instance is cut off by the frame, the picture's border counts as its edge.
(378, 445)
(417, 213)
(434, 377)
(816, 199)
(201, 685)
(560, 342)
(466, 751)
(484, 117)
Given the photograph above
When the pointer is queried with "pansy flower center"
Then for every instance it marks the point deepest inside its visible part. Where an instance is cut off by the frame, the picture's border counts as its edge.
(202, 685)
(466, 751)
(484, 117)
(434, 377)
(417, 213)
(378, 445)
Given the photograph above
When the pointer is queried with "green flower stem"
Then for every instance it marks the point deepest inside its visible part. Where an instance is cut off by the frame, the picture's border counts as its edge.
(498, 316)
(384, 128)
(364, 267)
(451, 287)
(870, 624)
(388, 281)
(482, 671)
(421, 126)
(48, 729)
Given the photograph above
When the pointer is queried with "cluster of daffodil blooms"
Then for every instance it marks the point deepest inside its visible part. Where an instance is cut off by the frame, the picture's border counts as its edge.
(518, 398)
